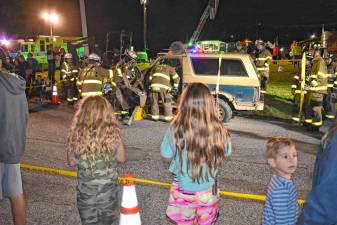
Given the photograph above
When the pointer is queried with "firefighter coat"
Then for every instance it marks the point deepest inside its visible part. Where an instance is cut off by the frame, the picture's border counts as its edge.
(318, 78)
(91, 79)
(162, 78)
(68, 71)
(263, 61)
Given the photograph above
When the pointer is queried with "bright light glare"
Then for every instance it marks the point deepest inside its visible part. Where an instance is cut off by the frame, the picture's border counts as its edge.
(312, 36)
(4, 42)
(51, 17)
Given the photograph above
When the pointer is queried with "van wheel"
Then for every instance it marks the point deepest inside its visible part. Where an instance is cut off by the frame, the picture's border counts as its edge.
(225, 111)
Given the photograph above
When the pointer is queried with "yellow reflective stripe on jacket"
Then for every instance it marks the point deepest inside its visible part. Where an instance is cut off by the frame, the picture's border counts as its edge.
(313, 76)
(296, 77)
(266, 58)
(319, 88)
(92, 82)
(262, 68)
(91, 93)
(113, 83)
(119, 72)
(324, 75)
(160, 86)
(167, 77)
(330, 85)
(111, 73)
(79, 83)
(299, 92)
(175, 85)
(175, 76)
(294, 86)
(335, 82)
(314, 83)
(75, 71)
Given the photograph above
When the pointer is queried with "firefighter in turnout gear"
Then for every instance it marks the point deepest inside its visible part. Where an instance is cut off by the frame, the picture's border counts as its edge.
(93, 76)
(162, 77)
(329, 101)
(263, 60)
(317, 83)
(69, 75)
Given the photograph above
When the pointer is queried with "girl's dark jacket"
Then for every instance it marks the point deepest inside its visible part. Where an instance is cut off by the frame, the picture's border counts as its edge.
(321, 204)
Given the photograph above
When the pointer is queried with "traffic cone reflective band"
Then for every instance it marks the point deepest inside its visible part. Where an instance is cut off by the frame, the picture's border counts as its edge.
(54, 96)
(129, 211)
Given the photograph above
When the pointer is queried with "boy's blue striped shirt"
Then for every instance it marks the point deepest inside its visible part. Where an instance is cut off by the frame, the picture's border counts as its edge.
(281, 205)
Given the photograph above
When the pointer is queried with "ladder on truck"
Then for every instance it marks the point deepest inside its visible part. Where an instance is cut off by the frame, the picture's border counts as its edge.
(210, 11)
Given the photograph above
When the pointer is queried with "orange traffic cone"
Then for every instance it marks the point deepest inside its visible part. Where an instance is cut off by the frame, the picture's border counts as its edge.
(129, 212)
(54, 96)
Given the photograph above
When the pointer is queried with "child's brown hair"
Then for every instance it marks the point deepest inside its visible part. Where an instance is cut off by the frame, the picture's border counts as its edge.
(274, 144)
(94, 129)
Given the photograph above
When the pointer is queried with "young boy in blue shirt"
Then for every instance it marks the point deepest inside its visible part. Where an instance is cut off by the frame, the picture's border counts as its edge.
(281, 205)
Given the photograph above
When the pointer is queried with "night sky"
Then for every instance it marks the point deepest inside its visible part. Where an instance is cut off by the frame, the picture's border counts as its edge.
(170, 20)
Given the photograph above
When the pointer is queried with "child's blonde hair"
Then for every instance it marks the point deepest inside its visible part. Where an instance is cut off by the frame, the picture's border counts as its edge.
(94, 128)
(274, 144)
(197, 128)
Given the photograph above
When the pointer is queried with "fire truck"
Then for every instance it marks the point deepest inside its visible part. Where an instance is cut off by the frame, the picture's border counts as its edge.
(38, 45)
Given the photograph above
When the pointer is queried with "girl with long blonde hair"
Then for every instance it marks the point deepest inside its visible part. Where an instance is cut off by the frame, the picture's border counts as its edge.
(196, 144)
(95, 146)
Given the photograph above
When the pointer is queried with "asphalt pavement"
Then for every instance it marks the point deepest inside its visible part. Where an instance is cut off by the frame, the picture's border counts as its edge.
(52, 198)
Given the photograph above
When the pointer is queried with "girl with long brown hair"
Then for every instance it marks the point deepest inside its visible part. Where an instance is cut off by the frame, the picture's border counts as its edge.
(95, 146)
(196, 144)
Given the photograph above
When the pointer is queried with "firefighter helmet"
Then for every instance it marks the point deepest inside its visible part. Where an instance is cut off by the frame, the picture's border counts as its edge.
(259, 42)
(94, 57)
(68, 56)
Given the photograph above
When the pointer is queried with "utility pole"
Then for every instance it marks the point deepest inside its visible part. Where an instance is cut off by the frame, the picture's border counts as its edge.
(84, 24)
(144, 2)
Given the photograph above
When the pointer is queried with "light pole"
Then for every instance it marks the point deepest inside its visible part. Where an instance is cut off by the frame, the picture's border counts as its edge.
(144, 2)
(52, 19)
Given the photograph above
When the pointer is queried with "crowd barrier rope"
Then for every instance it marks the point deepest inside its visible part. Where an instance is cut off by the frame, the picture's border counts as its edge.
(123, 180)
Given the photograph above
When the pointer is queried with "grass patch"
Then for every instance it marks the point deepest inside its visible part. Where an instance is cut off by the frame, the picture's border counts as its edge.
(279, 99)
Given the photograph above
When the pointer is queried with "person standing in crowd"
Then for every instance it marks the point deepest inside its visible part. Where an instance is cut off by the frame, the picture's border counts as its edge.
(92, 77)
(32, 66)
(69, 75)
(321, 204)
(195, 144)
(51, 58)
(263, 60)
(281, 204)
(239, 48)
(318, 81)
(329, 102)
(22, 66)
(161, 77)
(95, 146)
(12, 140)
